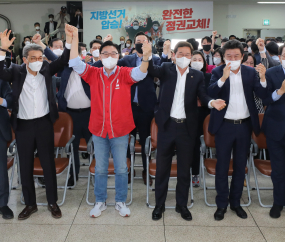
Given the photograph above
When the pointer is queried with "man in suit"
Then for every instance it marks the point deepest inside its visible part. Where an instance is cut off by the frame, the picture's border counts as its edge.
(176, 116)
(6, 101)
(143, 95)
(274, 128)
(232, 127)
(50, 26)
(33, 113)
(94, 51)
(122, 44)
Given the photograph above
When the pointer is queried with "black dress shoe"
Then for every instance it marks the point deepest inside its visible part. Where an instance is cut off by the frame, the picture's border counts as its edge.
(220, 213)
(239, 211)
(275, 211)
(157, 212)
(184, 211)
(6, 212)
(70, 182)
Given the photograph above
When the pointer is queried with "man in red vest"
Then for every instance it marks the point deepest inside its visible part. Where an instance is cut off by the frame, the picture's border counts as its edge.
(111, 118)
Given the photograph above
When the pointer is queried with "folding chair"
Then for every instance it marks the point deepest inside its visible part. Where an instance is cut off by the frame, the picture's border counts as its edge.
(209, 164)
(63, 129)
(83, 150)
(151, 144)
(111, 169)
(262, 166)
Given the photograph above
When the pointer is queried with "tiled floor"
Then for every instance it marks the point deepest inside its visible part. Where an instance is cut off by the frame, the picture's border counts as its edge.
(77, 226)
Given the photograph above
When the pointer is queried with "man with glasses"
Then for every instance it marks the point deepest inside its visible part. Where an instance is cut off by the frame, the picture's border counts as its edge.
(111, 118)
(274, 128)
(33, 113)
(177, 121)
(94, 51)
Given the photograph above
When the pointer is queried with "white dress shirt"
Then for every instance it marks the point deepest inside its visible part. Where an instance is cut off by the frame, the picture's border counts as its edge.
(51, 27)
(33, 100)
(237, 107)
(178, 105)
(74, 94)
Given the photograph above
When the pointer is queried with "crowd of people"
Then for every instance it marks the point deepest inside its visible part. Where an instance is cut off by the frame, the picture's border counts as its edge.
(109, 91)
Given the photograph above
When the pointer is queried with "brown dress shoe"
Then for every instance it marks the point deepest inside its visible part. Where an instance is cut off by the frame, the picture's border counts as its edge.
(144, 178)
(27, 212)
(55, 211)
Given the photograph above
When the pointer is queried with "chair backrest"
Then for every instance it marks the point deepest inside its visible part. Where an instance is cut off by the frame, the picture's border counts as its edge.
(63, 129)
(153, 133)
(208, 138)
(260, 140)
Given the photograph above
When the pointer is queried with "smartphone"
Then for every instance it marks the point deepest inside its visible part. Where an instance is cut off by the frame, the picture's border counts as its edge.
(89, 54)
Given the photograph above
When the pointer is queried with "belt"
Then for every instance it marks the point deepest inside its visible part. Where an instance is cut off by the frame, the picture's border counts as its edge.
(237, 121)
(137, 104)
(179, 121)
(80, 110)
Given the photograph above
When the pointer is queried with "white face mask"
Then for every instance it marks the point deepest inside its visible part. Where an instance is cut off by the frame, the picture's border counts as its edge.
(58, 52)
(283, 64)
(249, 50)
(109, 62)
(136, 27)
(95, 53)
(197, 65)
(84, 52)
(217, 60)
(155, 27)
(27, 42)
(35, 66)
(51, 19)
(122, 42)
(183, 62)
(37, 28)
(234, 64)
(128, 45)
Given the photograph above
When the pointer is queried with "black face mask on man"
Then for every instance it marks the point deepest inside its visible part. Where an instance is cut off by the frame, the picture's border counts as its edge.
(139, 48)
(206, 47)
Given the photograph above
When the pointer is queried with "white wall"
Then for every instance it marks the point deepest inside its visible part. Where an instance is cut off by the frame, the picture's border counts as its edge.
(247, 17)
(23, 16)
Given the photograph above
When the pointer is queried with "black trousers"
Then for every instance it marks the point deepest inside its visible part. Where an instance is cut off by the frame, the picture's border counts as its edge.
(80, 118)
(174, 135)
(31, 135)
(4, 182)
(203, 113)
(236, 138)
(142, 121)
(277, 159)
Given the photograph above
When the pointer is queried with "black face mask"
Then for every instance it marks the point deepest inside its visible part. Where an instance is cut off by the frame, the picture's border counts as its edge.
(206, 47)
(139, 48)
(11, 47)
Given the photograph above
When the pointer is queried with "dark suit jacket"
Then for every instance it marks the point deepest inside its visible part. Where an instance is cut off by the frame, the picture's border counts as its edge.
(274, 118)
(46, 29)
(195, 86)
(75, 20)
(17, 75)
(146, 91)
(5, 127)
(251, 83)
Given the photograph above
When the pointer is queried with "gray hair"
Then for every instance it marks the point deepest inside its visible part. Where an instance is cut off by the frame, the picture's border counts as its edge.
(31, 47)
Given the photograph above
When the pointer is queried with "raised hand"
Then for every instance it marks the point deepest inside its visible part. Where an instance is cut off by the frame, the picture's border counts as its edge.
(36, 39)
(87, 58)
(260, 44)
(68, 30)
(109, 37)
(219, 104)
(5, 42)
(261, 70)
(166, 47)
(214, 33)
(147, 49)
(226, 72)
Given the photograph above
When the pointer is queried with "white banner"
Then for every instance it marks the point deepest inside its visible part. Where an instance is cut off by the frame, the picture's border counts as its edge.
(169, 20)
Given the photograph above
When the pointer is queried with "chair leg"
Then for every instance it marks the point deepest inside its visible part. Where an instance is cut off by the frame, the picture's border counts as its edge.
(132, 179)
(12, 177)
(191, 190)
(248, 192)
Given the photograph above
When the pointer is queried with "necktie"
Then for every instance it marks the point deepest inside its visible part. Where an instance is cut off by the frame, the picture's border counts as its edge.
(207, 59)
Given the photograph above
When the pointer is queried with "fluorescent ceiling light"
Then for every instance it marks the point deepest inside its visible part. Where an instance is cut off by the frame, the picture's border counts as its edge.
(271, 2)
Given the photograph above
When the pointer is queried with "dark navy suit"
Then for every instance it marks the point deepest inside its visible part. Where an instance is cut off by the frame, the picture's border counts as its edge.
(144, 111)
(5, 136)
(80, 117)
(236, 137)
(274, 128)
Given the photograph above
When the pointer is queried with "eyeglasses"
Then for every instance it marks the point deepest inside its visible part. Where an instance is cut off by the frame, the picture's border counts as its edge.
(179, 55)
(106, 54)
(34, 59)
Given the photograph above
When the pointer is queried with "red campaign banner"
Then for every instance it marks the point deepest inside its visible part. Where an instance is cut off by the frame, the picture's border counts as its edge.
(178, 19)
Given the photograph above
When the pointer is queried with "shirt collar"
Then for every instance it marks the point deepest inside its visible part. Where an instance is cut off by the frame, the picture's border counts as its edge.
(186, 72)
(239, 71)
(113, 71)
